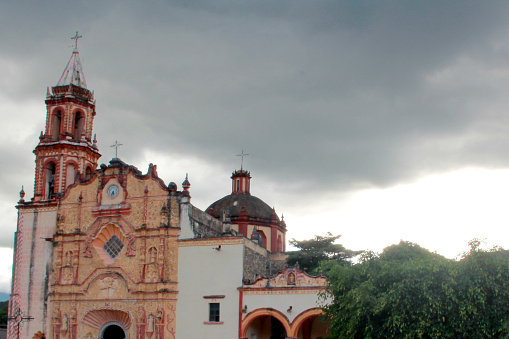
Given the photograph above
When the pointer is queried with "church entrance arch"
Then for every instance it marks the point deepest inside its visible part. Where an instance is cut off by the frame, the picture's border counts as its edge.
(113, 331)
(265, 324)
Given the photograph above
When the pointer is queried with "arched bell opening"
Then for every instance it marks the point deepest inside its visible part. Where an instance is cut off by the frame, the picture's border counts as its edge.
(49, 175)
(78, 126)
(88, 173)
(71, 175)
(57, 122)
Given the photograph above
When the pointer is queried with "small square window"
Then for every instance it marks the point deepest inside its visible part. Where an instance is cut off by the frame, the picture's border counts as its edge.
(214, 312)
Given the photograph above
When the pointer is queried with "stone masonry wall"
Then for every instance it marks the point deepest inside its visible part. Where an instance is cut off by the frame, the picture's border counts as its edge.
(204, 225)
(258, 262)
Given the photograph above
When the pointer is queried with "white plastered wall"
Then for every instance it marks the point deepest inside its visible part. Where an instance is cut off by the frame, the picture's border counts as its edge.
(34, 268)
(205, 271)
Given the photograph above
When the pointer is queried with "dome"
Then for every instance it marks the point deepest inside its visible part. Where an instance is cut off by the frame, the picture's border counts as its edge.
(233, 203)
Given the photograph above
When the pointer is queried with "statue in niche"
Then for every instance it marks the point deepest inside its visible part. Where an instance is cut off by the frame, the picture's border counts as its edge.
(160, 322)
(152, 253)
(73, 325)
(150, 323)
(152, 275)
(86, 252)
(140, 323)
(68, 258)
(291, 279)
(55, 319)
(65, 324)
(131, 248)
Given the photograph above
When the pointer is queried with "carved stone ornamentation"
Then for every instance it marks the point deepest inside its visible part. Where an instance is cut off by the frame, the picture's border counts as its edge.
(140, 323)
(108, 286)
(56, 322)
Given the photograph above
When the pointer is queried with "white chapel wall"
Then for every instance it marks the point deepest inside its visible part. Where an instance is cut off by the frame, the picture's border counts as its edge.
(205, 271)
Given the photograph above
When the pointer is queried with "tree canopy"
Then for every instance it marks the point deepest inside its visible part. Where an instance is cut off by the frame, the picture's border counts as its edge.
(409, 292)
(312, 252)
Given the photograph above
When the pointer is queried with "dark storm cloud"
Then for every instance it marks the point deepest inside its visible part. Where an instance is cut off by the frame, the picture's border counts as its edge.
(325, 91)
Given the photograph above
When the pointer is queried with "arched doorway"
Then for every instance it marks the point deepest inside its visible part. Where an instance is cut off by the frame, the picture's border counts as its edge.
(265, 323)
(113, 331)
(313, 327)
(310, 324)
(266, 327)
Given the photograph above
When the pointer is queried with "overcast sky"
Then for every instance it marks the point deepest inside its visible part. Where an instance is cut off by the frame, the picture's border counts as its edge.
(377, 120)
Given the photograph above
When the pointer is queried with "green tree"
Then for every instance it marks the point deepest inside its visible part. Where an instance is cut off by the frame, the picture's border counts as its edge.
(312, 252)
(409, 292)
(4, 305)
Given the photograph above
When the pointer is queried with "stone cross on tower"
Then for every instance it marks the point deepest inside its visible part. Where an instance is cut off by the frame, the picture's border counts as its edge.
(242, 154)
(116, 145)
(76, 37)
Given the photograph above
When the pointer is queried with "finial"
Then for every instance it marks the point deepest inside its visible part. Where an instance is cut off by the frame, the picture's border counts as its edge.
(48, 93)
(242, 154)
(116, 145)
(22, 194)
(76, 37)
(95, 139)
(186, 184)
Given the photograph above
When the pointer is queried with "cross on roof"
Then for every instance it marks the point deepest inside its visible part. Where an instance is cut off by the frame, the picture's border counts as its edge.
(242, 154)
(116, 145)
(76, 37)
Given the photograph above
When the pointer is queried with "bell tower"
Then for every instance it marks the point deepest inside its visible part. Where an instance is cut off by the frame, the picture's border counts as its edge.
(66, 147)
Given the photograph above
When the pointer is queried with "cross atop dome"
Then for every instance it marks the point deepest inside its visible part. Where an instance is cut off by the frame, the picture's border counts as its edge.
(242, 155)
(73, 72)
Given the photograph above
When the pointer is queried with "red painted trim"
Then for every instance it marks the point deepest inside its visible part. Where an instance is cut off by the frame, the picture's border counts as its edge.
(290, 288)
(124, 210)
(243, 229)
(273, 239)
(208, 239)
(55, 102)
(71, 145)
(213, 297)
(241, 302)
(213, 323)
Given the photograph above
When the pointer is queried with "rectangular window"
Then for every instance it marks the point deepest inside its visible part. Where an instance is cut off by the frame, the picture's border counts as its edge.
(214, 312)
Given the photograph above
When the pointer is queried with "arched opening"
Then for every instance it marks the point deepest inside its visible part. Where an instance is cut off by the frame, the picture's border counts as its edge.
(266, 327)
(264, 238)
(313, 328)
(71, 174)
(57, 120)
(50, 180)
(113, 331)
(88, 173)
(78, 126)
(152, 254)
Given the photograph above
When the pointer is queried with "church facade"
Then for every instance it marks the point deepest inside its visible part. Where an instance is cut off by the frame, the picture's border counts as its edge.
(109, 252)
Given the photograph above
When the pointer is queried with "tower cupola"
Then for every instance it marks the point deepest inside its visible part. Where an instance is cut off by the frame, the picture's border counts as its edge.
(67, 146)
(241, 182)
